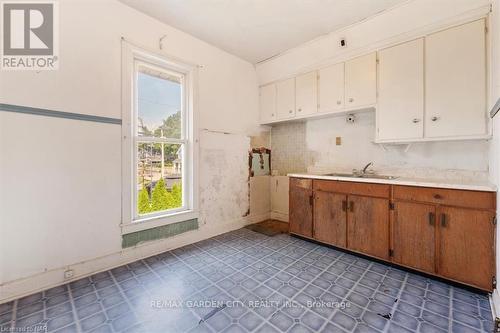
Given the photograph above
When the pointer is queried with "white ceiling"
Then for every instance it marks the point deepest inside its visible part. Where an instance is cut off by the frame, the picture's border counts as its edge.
(258, 29)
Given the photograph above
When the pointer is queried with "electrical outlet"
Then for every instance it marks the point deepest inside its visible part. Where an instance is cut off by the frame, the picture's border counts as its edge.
(338, 140)
(69, 273)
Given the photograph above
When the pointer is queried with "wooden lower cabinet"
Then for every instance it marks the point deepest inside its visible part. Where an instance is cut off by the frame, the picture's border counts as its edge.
(330, 218)
(448, 233)
(300, 214)
(414, 236)
(466, 246)
(368, 226)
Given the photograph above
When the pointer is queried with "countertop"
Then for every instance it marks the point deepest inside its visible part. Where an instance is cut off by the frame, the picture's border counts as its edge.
(422, 182)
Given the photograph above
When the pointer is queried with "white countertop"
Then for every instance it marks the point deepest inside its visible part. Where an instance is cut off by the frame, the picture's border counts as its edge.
(422, 182)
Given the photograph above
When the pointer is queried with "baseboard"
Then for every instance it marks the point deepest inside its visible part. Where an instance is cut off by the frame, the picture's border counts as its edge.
(52, 278)
(279, 216)
(495, 308)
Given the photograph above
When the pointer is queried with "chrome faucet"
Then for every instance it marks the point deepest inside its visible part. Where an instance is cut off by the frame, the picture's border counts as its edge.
(366, 167)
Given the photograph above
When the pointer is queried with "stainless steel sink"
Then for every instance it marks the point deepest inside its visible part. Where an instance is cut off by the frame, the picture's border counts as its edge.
(365, 175)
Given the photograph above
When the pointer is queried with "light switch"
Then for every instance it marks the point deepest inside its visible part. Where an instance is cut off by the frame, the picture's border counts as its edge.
(338, 140)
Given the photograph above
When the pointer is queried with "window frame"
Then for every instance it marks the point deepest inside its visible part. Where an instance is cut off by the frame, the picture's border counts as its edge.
(132, 58)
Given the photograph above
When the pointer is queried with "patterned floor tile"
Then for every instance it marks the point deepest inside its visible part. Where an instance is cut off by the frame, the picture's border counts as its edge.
(243, 281)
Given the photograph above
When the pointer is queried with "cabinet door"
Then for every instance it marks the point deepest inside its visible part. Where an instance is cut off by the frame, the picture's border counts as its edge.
(306, 94)
(361, 81)
(400, 109)
(414, 229)
(455, 81)
(331, 88)
(368, 226)
(466, 246)
(300, 211)
(330, 218)
(268, 103)
(285, 99)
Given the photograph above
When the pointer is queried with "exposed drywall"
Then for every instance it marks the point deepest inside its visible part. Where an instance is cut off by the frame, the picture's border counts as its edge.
(260, 200)
(224, 189)
(60, 202)
(311, 146)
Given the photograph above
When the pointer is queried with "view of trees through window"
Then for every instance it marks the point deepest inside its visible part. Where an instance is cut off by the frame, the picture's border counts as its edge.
(159, 162)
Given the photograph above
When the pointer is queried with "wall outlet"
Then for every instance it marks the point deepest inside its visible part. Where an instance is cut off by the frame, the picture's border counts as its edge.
(69, 273)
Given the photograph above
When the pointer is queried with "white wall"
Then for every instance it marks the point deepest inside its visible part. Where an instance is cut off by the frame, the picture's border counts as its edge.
(495, 144)
(310, 146)
(317, 152)
(401, 23)
(60, 196)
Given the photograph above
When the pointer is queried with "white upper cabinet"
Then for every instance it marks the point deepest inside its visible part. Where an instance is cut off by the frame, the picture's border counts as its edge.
(306, 99)
(455, 82)
(285, 99)
(361, 81)
(331, 88)
(429, 89)
(400, 112)
(268, 103)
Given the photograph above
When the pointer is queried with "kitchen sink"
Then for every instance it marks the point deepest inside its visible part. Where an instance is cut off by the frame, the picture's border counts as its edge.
(365, 175)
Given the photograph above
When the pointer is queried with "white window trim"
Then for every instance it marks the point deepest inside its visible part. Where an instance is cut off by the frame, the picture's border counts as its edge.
(132, 54)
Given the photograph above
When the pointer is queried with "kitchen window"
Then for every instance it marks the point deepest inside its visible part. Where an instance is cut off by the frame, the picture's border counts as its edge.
(158, 139)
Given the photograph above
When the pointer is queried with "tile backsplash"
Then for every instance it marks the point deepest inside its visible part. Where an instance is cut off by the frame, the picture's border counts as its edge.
(310, 146)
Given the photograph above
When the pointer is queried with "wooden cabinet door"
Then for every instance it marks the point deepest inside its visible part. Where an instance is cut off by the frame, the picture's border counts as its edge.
(331, 88)
(361, 81)
(330, 218)
(466, 246)
(414, 230)
(285, 99)
(306, 98)
(300, 211)
(268, 103)
(400, 112)
(455, 81)
(368, 226)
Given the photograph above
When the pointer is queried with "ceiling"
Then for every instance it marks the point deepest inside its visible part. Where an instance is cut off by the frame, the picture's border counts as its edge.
(258, 29)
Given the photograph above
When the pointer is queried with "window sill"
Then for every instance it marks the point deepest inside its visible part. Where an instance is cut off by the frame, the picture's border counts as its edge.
(157, 221)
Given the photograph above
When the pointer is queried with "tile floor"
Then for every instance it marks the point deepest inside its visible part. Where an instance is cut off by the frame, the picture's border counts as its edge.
(243, 281)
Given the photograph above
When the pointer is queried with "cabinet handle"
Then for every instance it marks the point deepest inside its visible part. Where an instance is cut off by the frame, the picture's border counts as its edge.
(339, 102)
(311, 200)
(351, 206)
(290, 111)
(438, 197)
(435, 118)
(351, 100)
(432, 219)
(344, 205)
(416, 120)
(444, 222)
(300, 109)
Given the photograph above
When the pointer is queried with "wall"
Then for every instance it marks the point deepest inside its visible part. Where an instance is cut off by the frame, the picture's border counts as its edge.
(404, 22)
(310, 147)
(495, 145)
(60, 198)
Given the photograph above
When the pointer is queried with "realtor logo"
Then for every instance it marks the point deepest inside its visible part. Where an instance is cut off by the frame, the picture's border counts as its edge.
(30, 35)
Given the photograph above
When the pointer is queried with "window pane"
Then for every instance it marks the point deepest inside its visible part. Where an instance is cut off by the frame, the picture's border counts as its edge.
(159, 104)
(159, 177)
